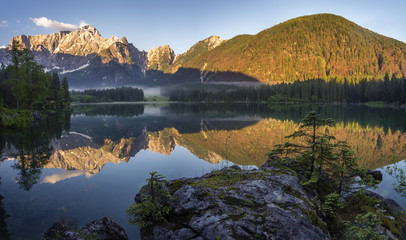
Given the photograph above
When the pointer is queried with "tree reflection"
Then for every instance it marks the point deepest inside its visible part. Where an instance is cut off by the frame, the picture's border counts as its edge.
(30, 162)
(399, 175)
(33, 145)
(118, 110)
(4, 234)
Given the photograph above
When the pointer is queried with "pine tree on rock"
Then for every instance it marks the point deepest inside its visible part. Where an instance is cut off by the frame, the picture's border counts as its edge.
(312, 148)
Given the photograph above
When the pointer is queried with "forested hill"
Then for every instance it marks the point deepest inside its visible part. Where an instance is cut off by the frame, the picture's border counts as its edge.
(318, 46)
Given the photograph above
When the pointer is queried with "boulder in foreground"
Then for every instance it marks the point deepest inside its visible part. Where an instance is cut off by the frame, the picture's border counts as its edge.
(104, 228)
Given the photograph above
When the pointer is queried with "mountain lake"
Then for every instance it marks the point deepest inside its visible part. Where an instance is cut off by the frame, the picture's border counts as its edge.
(90, 161)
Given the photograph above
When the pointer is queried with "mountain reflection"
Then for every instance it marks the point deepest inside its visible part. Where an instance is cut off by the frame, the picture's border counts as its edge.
(96, 135)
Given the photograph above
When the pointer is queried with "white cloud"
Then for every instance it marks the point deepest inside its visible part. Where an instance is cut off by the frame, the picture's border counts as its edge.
(83, 23)
(3, 23)
(60, 26)
(2, 47)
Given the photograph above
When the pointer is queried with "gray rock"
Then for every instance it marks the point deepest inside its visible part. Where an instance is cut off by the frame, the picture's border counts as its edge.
(239, 204)
(232, 203)
(104, 228)
(374, 195)
(55, 231)
(376, 174)
(393, 207)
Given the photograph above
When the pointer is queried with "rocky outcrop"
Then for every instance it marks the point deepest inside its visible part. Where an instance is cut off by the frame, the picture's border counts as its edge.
(376, 174)
(213, 42)
(265, 203)
(160, 58)
(104, 228)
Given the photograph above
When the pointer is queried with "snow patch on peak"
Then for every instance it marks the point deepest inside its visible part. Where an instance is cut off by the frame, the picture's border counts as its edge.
(74, 70)
(89, 28)
(48, 70)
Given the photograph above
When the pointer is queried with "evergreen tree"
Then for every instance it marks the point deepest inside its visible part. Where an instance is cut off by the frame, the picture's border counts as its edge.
(321, 154)
(313, 148)
(54, 89)
(65, 89)
(28, 81)
(344, 168)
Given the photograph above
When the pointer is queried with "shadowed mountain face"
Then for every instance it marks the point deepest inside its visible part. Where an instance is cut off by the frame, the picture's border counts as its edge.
(322, 46)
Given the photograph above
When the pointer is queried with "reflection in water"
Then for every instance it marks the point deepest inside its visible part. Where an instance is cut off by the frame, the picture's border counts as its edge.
(32, 146)
(115, 137)
(100, 134)
(393, 185)
(386, 118)
(4, 234)
(30, 163)
(117, 110)
(62, 176)
(248, 146)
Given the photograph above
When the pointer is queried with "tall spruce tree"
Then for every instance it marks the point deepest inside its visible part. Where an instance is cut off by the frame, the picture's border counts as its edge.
(312, 148)
(65, 89)
(320, 155)
(54, 89)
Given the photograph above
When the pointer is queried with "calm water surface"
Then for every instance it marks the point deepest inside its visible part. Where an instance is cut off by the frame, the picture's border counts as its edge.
(90, 161)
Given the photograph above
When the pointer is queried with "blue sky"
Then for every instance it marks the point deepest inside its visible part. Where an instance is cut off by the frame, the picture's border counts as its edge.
(181, 23)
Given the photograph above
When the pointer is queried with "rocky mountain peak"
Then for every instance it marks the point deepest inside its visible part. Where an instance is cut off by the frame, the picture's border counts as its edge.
(82, 53)
(89, 28)
(165, 47)
(160, 58)
(213, 41)
(124, 40)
